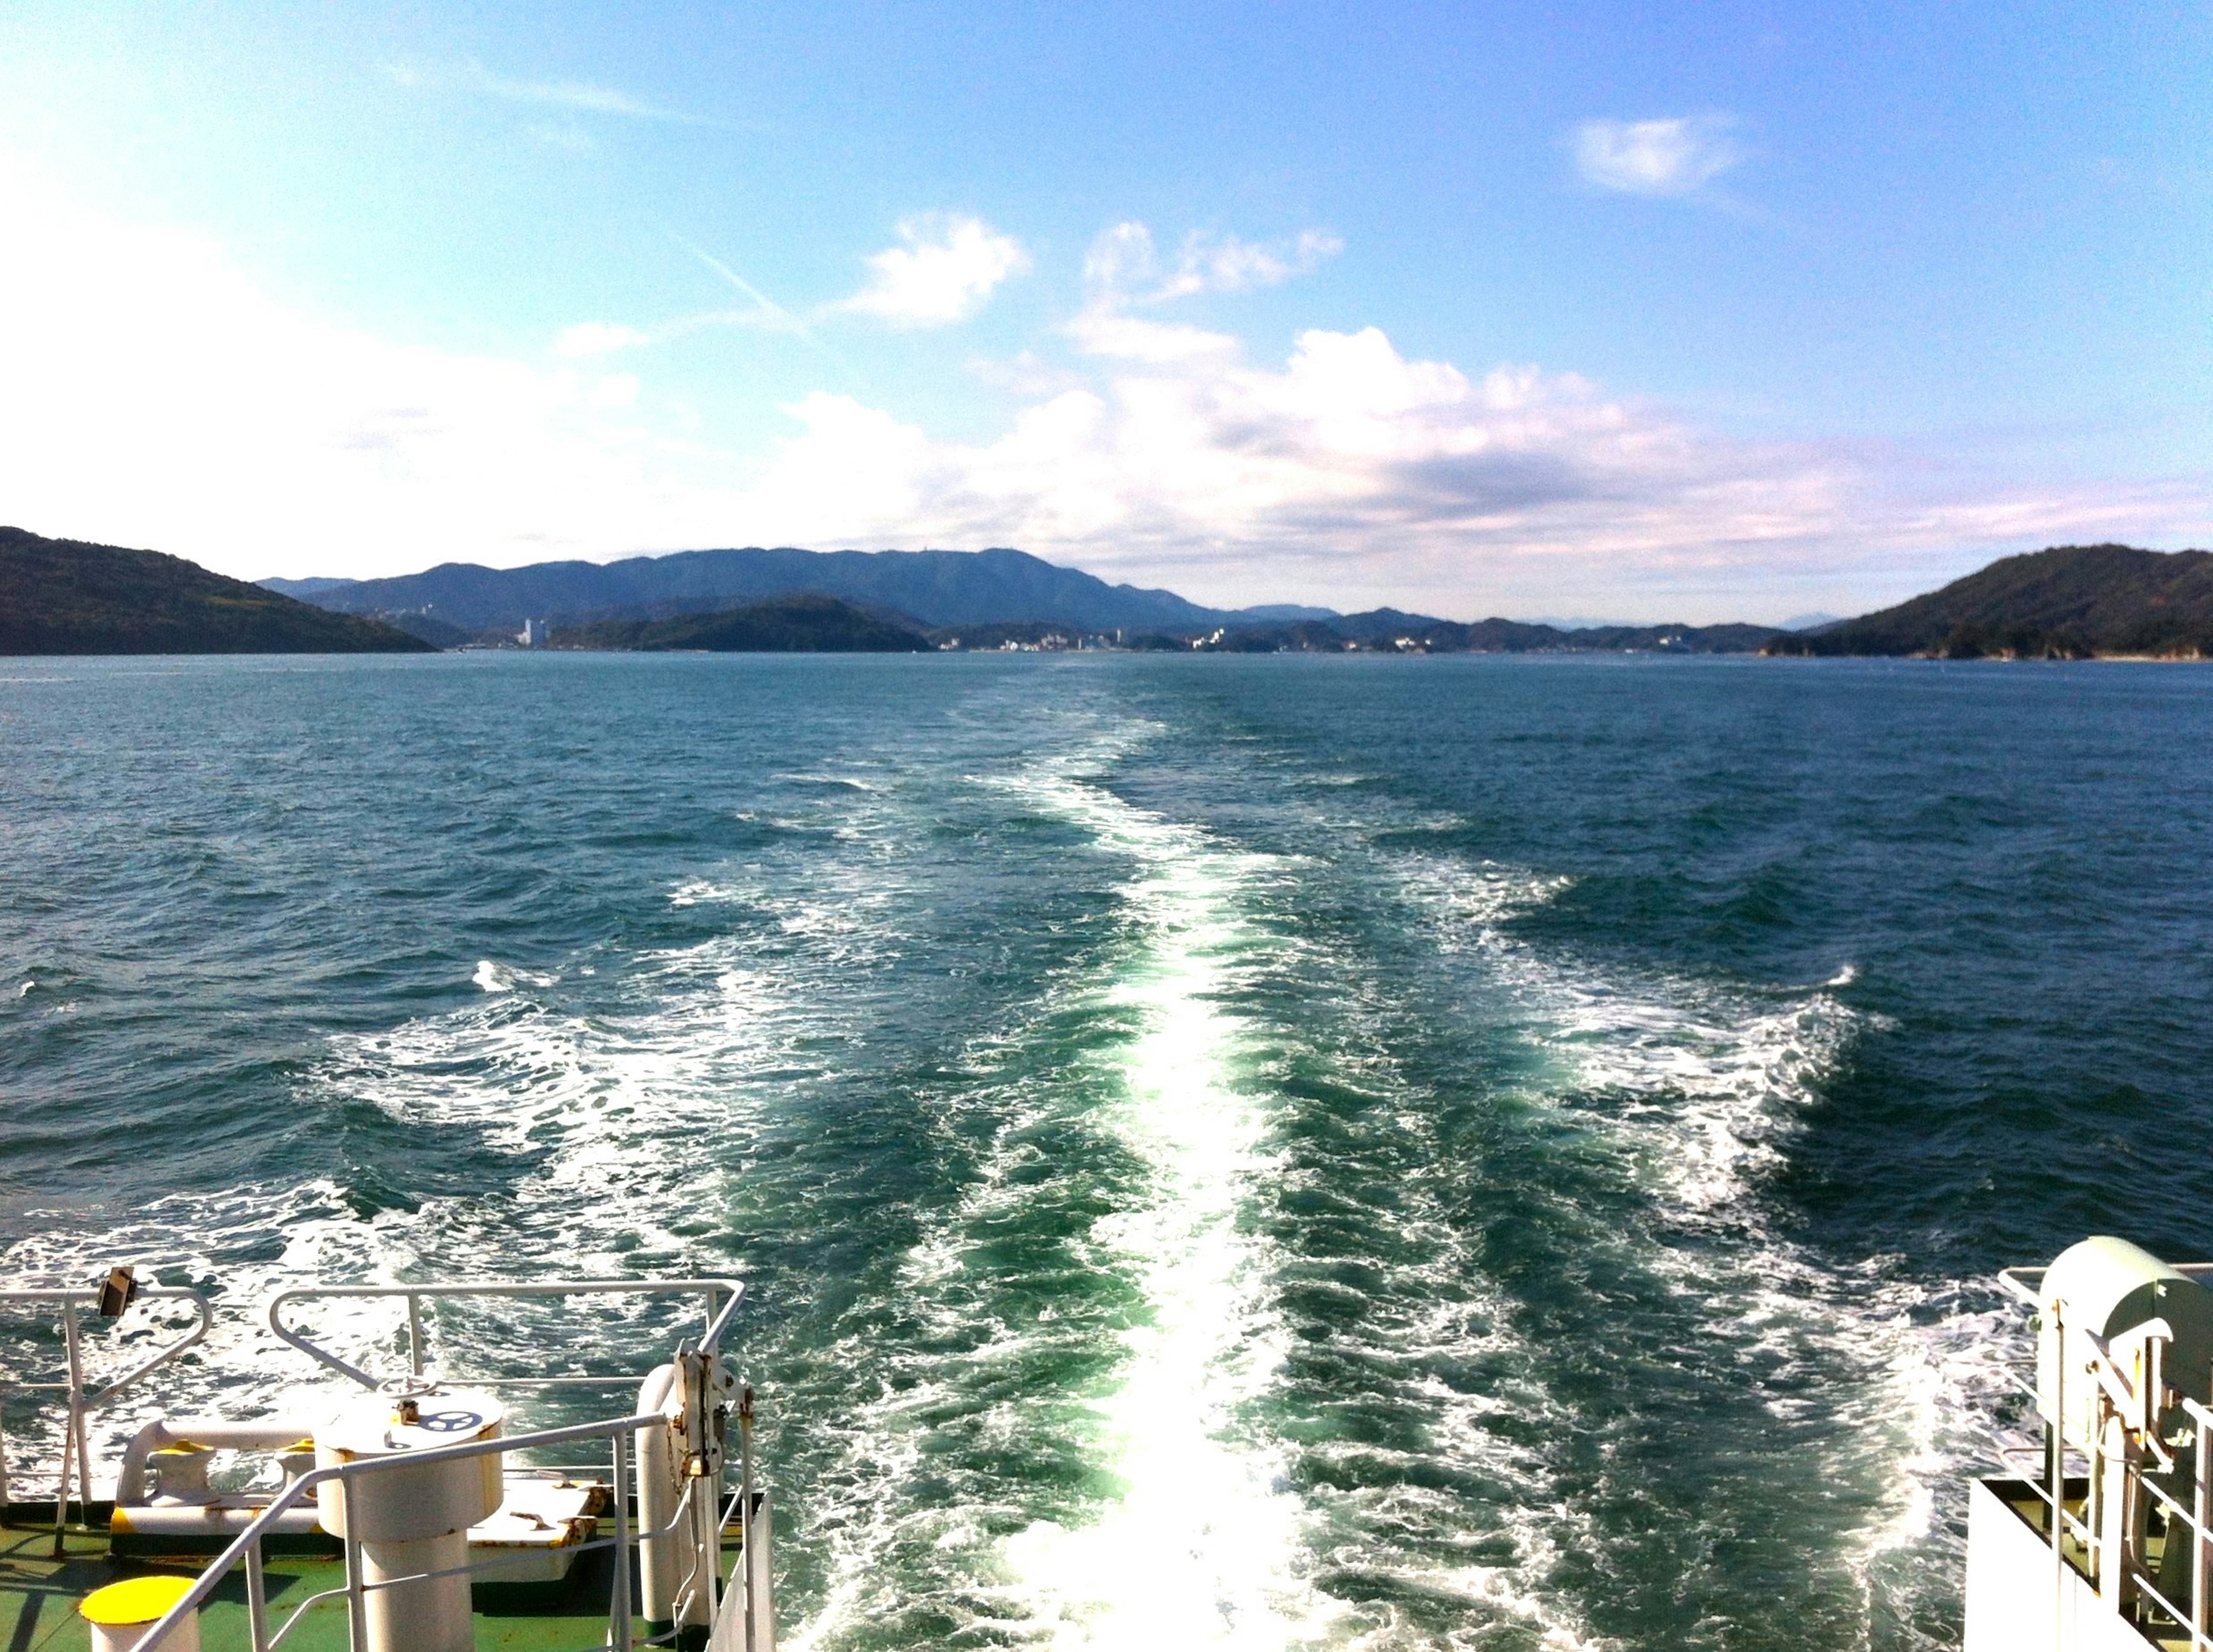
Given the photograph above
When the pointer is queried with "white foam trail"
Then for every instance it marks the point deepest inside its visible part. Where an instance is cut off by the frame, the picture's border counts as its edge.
(1704, 1087)
(1201, 1549)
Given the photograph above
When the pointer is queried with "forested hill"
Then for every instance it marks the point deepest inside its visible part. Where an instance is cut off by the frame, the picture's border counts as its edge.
(789, 624)
(2072, 601)
(937, 588)
(63, 596)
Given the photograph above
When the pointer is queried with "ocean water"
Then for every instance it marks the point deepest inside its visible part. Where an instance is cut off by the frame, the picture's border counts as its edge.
(1254, 1153)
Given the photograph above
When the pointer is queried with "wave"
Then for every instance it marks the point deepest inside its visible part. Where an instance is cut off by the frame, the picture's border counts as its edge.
(1702, 1086)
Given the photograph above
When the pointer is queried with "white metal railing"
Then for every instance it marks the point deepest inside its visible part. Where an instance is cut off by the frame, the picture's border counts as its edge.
(79, 1399)
(711, 1398)
(2112, 1564)
(718, 1312)
(246, 1549)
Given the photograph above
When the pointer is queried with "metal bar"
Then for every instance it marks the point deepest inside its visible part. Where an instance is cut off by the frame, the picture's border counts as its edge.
(2201, 1543)
(356, 1598)
(746, 1505)
(203, 1319)
(2059, 1478)
(300, 1611)
(73, 1430)
(618, 1611)
(415, 1334)
(717, 1324)
(257, 1601)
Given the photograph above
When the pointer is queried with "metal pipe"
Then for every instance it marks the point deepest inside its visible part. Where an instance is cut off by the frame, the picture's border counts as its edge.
(415, 1334)
(735, 1288)
(2059, 1479)
(356, 1602)
(2200, 1546)
(746, 1504)
(257, 1599)
(620, 1610)
(72, 1429)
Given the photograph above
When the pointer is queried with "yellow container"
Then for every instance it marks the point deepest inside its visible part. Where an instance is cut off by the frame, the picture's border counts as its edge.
(120, 1614)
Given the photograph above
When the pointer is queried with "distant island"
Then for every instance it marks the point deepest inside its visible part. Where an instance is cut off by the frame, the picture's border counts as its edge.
(65, 596)
(2071, 602)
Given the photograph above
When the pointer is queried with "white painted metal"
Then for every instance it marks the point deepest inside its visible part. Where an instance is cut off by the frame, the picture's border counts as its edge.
(661, 1547)
(127, 1638)
(412, 1518)
(2010, 1602)
(2124, 1346)
(372, 1492)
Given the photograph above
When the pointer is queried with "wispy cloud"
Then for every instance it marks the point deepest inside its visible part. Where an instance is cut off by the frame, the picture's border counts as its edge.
(1125, 270)
(946, 270)
(767, 312)
(580, 97)
(1675, 156)
(1123, 266)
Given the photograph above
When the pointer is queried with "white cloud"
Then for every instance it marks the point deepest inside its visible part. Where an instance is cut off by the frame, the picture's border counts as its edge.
(1125, 267)
(1655, 157)
(582, 97)
(948, 268)
(156, 396)
(1105, 332)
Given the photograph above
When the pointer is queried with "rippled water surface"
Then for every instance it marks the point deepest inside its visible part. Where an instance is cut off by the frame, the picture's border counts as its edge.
(1254, 1153)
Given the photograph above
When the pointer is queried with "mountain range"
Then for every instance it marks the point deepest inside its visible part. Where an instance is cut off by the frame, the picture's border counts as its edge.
(933, 587)
(66, 596)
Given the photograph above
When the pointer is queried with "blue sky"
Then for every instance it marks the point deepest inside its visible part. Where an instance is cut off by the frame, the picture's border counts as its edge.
(1655, 312)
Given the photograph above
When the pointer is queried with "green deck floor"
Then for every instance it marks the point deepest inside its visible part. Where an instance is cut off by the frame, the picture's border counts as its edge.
(39, 1590)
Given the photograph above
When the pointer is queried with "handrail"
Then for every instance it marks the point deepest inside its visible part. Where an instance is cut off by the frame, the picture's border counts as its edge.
(719, 1318)
(2119, 1393)
(220, 1568)
(72, 1299)
(69, 1300)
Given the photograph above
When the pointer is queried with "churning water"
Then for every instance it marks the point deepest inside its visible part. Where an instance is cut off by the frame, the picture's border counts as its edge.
(1241, 1153)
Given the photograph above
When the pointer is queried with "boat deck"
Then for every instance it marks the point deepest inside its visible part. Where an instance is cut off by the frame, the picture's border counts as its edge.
(39, 1590)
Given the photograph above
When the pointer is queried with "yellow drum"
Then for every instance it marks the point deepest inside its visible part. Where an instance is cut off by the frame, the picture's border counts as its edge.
(121, 1614)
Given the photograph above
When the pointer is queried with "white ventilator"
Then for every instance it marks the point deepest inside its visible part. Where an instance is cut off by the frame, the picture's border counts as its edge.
(412, 1521)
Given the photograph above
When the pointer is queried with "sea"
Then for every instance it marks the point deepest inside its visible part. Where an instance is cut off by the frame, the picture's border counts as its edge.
(1223, 1152)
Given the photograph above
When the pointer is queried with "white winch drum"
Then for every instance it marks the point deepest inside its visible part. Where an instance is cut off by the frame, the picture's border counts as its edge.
(410, 1519)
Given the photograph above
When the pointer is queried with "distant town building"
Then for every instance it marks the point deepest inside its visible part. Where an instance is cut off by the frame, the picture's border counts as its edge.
(533, 634)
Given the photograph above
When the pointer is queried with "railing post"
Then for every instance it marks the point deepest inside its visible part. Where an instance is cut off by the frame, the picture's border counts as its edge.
(619, 1611)
(72, 1427)
(2200, 1546)
(356, 1598)
(257, 1599)
(2059, 1481)
(414, 1333)
(748, 1561)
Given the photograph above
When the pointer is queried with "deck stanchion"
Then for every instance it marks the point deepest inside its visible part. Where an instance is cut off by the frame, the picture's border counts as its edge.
(257, 1599)
(356, 1598)
(620, 1612)
(73, 1454)
(2201, 1550)
(2060, 1480)
(746, 1557)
